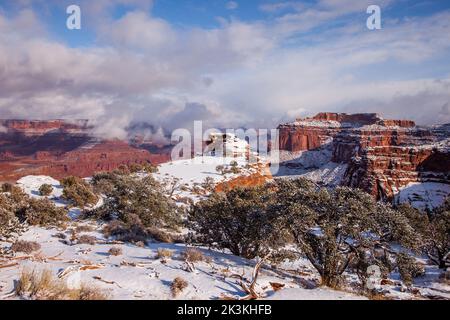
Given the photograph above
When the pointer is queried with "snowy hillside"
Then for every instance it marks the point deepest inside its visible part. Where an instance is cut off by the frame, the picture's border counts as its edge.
(139, 274)
(425, 195)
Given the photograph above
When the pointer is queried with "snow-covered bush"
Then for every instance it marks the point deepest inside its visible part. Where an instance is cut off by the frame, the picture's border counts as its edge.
(78, 192)
(17, 209)
(143, 198)
(238, 220)
(437, 236)
(25, 246)
(338, 227)
(408, 268)
(43, 212)
(12, 208)
(45, 190)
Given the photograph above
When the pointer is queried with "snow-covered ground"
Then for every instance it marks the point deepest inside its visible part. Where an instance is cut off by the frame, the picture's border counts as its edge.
(188, 174)
(314, 165)
(139, 274)
(424, 195)
(196, 170)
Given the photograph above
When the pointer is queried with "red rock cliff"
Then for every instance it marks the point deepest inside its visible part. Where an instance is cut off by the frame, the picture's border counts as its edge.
(58, 149)
(382, 155)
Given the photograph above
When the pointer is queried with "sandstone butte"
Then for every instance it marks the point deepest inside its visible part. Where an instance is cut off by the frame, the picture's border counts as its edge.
(382, 155)
(60, 148)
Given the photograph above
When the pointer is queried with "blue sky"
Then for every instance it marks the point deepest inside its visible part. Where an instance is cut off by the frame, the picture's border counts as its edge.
(223, 61)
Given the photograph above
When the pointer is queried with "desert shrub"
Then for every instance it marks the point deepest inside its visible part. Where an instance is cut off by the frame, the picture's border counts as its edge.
(416, 218)
(6, 187)
(160, 235)
(177, 286)
(9, 223)
(437, 236)
(150, 168)
(234, 167)
(17, 209)
(192, 255)
(334, 228)
(238, 220)
(25, 246)
(44, 286)
(221, 169)
(87, 239)
(13, 206)
(409, 268)
(43, 212)
(78, 192)
(83, 228)
(132, 197)
(208, 184)
(127, 232)
(164, 254)
(115, 251)
(45, 190)
(135, 168)
(103, 182)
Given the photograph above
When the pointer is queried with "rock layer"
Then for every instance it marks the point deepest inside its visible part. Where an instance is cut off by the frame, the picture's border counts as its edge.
(382, 155)
(58, 149)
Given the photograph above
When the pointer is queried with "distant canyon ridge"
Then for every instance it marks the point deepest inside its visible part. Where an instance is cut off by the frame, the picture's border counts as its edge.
(359, 150)
(60, 148)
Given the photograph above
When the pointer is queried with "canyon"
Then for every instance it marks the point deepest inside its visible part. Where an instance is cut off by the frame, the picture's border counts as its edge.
(377, 155)
(61, 148)
(381, 156)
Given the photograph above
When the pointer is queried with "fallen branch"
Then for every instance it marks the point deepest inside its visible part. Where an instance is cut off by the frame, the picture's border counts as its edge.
(8, 265)
(107, 282)
(248, 289)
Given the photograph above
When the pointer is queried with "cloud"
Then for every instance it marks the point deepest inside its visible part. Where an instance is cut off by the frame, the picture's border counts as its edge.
(232, 5)
(237, 74)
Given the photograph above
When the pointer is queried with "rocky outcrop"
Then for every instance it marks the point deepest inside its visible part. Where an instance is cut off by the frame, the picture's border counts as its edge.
(381, 155)
(58, 149)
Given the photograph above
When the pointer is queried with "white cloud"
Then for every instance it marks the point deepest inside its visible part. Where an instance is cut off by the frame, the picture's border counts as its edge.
(237, 74)
(232, 5)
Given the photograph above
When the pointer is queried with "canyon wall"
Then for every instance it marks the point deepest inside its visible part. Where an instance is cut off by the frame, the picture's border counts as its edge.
(382, 156)
(58, 148)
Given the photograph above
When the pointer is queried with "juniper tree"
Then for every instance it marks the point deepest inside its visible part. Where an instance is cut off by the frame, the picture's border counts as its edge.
(238, 220)
(338, 227)
(437, 236)
(78, 192)
(128, 197)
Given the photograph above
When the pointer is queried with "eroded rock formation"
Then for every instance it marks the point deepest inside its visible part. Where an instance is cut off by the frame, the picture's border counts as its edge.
(382, 156)
(58, 148)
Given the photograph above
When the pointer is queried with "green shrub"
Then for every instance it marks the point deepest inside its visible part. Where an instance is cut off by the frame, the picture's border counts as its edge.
(336, 227)
(129, 198)
(238, 220)
(43, 212)
(78, 192)
(45, 190)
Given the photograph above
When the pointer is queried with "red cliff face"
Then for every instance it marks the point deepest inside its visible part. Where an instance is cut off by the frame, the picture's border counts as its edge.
(382, 155)
(59, 149)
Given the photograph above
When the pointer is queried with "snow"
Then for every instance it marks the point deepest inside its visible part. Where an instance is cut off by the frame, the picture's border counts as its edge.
(315, 165)
(149, 278)
(424, 195)
(191, 173)
(196, 170)
(31, 185)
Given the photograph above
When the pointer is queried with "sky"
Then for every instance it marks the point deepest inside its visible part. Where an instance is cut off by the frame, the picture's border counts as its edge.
(242, 63)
